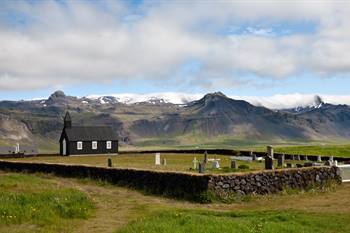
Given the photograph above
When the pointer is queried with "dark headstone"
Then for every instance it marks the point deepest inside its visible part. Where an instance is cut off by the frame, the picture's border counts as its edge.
(201, 167)
(205, 157)
(280, 160)
(289, 165)
(109, 162)
(308, 164)
(233, 164)
(299, 165)
(268, 162)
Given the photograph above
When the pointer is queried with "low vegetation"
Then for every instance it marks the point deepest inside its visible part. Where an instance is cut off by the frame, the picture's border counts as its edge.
(122, 210)
(43, 203)
(239, 222)
(334, 150)
(36, 202)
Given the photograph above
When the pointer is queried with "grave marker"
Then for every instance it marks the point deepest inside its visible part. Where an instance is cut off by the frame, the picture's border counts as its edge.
(109, 162)
(270, 151)
(233, 164)
(280, 160)
(205, 157)
(319, 159)
(215, 164)
(269, 158)
(195, 162)
(164, 161)
(201, 167)
(157, 159)
(331, 159)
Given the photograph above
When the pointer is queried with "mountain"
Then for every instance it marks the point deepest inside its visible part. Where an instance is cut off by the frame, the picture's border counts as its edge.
(317, 103)
(156, 121)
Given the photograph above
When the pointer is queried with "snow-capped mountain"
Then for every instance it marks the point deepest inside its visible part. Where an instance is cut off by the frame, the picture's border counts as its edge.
(153, 98)
(317, 104)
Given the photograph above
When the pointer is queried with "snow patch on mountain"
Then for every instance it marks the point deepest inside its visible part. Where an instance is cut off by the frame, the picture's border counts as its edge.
(153, 98)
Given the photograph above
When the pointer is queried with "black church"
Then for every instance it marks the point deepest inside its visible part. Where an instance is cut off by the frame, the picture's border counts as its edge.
(78, 140)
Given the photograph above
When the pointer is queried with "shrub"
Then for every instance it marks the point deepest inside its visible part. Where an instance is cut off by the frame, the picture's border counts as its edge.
(243, 166)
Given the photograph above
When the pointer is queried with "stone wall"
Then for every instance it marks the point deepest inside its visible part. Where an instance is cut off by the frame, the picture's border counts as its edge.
(273, 181)
(188, 186)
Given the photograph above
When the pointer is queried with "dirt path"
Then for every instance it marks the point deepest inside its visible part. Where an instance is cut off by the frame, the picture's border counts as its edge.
(116, 206)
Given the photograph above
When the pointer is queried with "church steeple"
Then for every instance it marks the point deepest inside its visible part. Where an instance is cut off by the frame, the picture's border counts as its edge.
(67, 121)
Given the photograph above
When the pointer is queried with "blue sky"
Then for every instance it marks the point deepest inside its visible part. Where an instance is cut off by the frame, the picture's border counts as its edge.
(242, 48)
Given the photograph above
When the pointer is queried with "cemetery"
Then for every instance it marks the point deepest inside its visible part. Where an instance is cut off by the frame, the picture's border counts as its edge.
(188, 176)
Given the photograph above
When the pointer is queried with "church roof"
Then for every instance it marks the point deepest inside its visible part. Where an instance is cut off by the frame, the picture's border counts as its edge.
(67, 117)
(91, 133)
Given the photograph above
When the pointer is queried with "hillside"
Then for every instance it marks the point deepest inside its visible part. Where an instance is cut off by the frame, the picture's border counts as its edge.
(208, 119)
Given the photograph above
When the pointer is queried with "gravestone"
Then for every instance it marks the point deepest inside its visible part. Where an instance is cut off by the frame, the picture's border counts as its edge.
(254, 157)
(289, 165)
(201, 167)
(331, 159)
(299, 165)
(308, 164)
(280, 160)
(157, 159)
(233, 164)
(269, 158)
(268, 162)
(335, 163)
(195, 162)
(270, 151)
(328, 163)
(306, 158)
(205, 157)
(297, 157)
(215, 164)
(319, 159)
(164, 161)
(109, 162)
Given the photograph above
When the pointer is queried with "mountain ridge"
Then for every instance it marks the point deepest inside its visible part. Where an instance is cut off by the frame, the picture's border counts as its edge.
(212, 116)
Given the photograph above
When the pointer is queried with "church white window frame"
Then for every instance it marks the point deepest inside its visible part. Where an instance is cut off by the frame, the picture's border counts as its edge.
(79, 145)
(94, 145)
(109, 145)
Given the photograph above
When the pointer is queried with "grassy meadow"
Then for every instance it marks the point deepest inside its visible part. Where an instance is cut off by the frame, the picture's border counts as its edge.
(174, 162)
(44, 203)
(33, 204)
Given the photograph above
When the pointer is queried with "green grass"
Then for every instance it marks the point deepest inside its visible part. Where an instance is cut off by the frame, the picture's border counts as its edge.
(122, 210)
(30, 200)
(334, 150)
(240, 222)
(175, 162)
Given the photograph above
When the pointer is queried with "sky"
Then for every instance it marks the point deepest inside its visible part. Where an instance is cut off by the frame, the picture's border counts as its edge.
(241, 48)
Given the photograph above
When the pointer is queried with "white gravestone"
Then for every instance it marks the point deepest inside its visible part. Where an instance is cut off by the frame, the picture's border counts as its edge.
(215, 164)
(195, 162)
(157, 159)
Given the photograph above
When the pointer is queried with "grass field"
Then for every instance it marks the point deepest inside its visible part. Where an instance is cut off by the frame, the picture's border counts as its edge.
(32, 204)
(120, 210)
(175, 162)
(334, 150)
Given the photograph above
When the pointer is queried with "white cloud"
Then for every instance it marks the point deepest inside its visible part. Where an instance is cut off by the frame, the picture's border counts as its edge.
(280, 101)
(80, 42)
